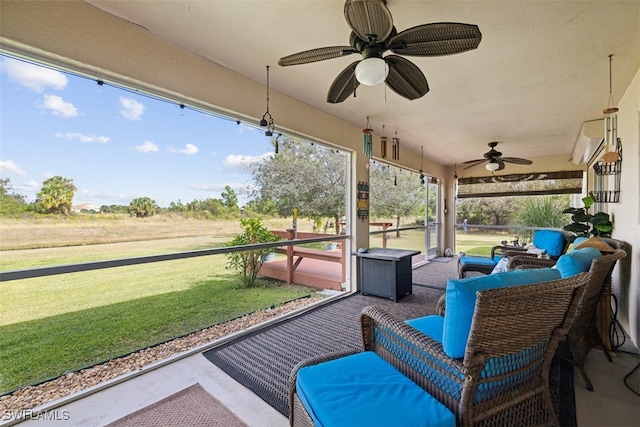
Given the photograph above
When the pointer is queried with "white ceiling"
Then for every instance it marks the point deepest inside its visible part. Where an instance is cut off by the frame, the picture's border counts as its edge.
(541, 70)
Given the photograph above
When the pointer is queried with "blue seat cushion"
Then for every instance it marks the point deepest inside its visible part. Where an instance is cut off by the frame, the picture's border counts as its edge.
(553, 242)
(364, 390)
(461, 301)
(577, 261)
(479, 260)
(429, 325)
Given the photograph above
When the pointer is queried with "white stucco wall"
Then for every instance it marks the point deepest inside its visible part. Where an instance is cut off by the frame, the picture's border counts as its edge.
(626, 214)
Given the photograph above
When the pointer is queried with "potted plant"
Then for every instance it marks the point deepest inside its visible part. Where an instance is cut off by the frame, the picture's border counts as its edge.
(586, 225)
(248, 263)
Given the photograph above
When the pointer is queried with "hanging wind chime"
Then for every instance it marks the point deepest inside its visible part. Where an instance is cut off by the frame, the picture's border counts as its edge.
(611, 126)
(264, 122)
(395, 148)
(368, 140)
(383, 144)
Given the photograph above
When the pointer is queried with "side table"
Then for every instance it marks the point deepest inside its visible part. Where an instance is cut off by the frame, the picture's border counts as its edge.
(385, 272)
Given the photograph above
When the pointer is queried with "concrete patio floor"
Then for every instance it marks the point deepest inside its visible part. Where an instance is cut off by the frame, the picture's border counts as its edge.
(611, 404)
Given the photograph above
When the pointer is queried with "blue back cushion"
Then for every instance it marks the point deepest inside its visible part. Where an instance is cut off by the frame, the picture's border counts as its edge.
(576, 261)
(579, 240)
(365, 390)
(461, 301)
(550, 240)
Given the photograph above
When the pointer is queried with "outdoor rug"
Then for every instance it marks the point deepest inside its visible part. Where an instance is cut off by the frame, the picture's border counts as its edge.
(263, 360)
(442, 259)
(192, 406)
(435, 274)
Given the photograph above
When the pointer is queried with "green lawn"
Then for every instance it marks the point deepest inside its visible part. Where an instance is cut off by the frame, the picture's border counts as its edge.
(57, 324)
(479, 244)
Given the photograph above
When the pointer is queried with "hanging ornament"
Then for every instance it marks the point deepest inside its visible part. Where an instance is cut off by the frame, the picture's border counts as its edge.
(276, 143)
(421, 172)
(395, 179)
(368, 140)
(383, 144)
(395, 148)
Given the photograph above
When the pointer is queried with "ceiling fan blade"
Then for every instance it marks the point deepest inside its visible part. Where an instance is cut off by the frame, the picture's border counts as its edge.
(315, 55)
(405, 78)
(344, 85)
(500, 163)
(368, 19)
(517, 160)
(438, 39)
(473, 163)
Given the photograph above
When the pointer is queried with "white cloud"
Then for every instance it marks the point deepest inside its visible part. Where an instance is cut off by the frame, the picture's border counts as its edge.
(147, 147)
(239, 162)
(69, 136)
(7, 166)
(58, 106)
(131, 109)
(31, 185)
(207, 187)
(33, 76)
(189, 150)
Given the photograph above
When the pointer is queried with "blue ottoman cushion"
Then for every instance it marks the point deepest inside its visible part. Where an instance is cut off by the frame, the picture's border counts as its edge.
(479, 260)
(365, 390)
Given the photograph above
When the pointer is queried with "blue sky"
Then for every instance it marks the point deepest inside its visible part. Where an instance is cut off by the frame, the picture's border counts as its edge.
(115, 144)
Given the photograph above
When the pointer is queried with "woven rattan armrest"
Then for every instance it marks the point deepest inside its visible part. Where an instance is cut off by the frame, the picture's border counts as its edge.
(506, 251)
(525, 261)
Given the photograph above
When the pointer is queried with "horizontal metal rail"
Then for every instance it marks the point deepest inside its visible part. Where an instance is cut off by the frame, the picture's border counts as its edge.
(123, 262)
(390, 230)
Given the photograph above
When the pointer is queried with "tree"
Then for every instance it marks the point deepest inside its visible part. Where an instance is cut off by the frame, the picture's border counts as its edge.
(229, 199)
(142, 207)
(10, 202)
(394, 194)
(248, 263)
(302, 176)
(56, 195)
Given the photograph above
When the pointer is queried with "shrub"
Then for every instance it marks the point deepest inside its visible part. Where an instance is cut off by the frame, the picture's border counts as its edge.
(248, 263)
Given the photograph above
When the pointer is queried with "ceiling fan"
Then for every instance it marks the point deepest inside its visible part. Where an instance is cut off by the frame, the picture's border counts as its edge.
(373, 34)
(495, 161)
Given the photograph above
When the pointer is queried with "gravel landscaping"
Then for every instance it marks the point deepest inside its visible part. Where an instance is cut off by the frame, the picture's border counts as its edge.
(31, 397)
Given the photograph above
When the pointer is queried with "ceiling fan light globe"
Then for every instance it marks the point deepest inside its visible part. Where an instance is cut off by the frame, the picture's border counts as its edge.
(492, 166)
(371, 71)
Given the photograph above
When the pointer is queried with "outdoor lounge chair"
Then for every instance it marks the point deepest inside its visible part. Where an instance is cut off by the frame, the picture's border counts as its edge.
(584, 334)
(500, 379)
(554, 243)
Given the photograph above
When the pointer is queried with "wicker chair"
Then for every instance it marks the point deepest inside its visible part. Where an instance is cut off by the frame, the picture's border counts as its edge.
(485, 265)
(584, 335)
(503, 377)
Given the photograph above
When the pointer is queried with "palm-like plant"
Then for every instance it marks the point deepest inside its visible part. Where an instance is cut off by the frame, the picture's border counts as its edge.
(56, 195)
